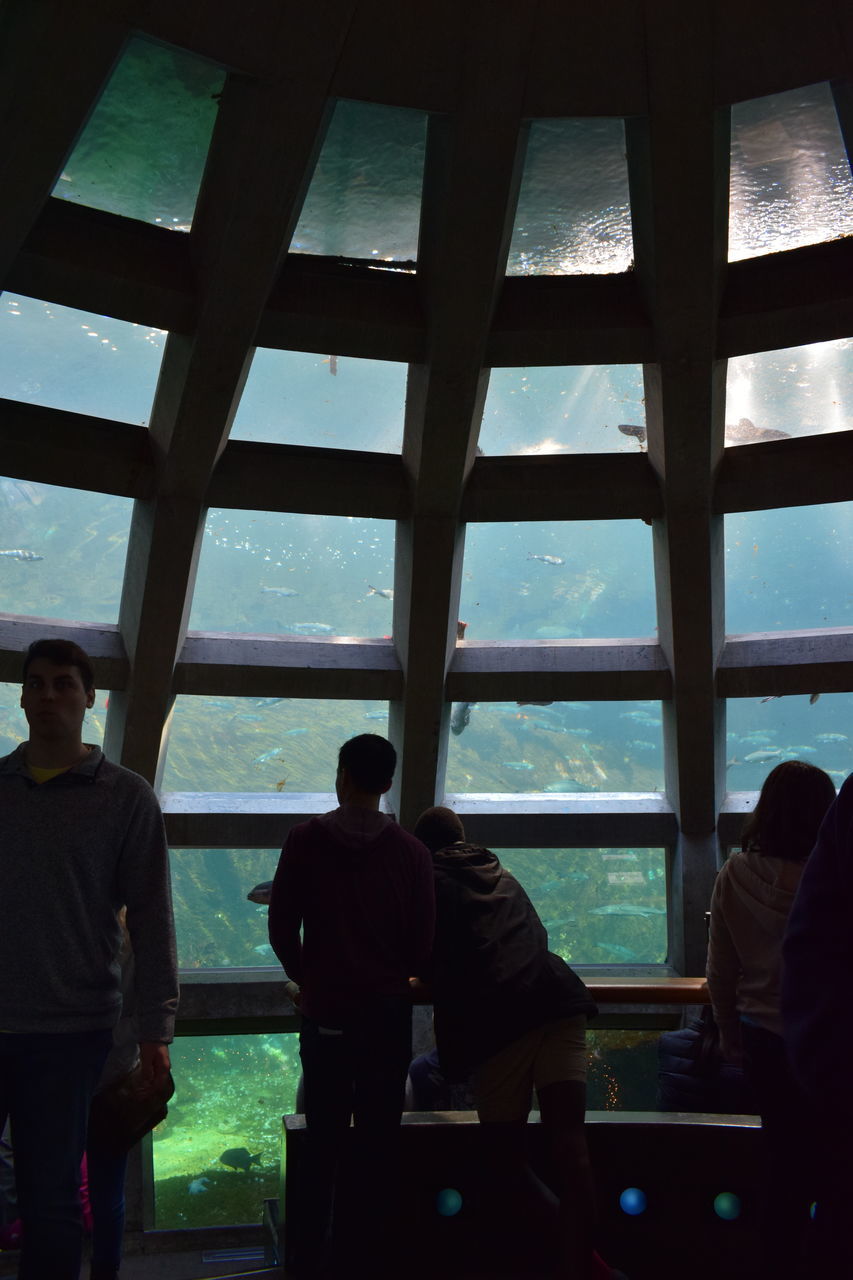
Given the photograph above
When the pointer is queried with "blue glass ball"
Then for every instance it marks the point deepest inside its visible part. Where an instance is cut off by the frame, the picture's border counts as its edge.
(448, 1202)
(727, 1206)
(633, 1201)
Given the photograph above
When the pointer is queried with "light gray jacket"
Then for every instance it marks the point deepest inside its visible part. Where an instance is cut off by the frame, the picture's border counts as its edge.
(73, 850)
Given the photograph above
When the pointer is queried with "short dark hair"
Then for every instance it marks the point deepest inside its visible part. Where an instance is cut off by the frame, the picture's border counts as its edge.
(370, 761)
(62, 653)
(789, 811)
(439, 827)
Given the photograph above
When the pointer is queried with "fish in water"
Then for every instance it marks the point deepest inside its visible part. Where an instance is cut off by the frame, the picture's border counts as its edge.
(267, 755)
(459, 717)
(18, 554)
(830, 737)
(261, 893)
(618, 952)
(198, 1185)
(745, 432)
(627, 909)
(311, 629)
(239, 1158)
(545, 559)
(635, 432)
(517, 764)
(263, 949)
(20, 493)
(763, 755)
(279, 591)
(387, 593)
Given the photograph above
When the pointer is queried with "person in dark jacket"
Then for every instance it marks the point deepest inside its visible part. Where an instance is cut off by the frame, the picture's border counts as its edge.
(361, 890)
(817, 973)
(513, 1015)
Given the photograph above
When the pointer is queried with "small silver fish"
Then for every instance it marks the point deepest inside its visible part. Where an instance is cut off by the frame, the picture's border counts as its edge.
(517, 764)
(760, 757)
(387, 593)
(546, 559)
(310, 629)
(18, 554)
(279, 591)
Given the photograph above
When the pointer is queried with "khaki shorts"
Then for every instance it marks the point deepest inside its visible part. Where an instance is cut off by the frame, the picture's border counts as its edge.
(503, 1085)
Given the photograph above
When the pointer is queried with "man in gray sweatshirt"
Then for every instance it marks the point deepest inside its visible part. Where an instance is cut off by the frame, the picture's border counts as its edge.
(81, 838)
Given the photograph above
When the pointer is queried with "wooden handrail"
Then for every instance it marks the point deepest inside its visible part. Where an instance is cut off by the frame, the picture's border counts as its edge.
(648, 990)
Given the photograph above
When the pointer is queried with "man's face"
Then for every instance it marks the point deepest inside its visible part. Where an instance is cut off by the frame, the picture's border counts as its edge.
(54, 700)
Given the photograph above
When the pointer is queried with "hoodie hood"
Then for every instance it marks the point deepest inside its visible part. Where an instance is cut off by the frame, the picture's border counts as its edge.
(765, 887)
(354, 827)
(476, 868)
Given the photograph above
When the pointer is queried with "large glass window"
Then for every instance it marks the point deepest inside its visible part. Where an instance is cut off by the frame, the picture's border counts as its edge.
(573, 214)
(789, 568)
(143, 151)
(365, 196)
(293, 397)
(218, 1152)
(559, 749)
(75, 360)
(302, 575)
(800, 391)
(762, 732)
(600, 906)
(567, 409)
(548, 580)
(790, 177)
(62, 551)
(216, 925)
(263, 744)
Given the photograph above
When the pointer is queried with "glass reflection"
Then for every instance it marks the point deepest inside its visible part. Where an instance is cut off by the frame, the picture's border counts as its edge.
(784, 567)
(600, 906)
(790, 177)
(798, 391)
(365, 196)
(560, 749)
(75, 360)
(302, 575)
(568, 409)
(573, 214)
(336, 402)
(282, 745)
(762, 732)
(549, 580)
(143, 151)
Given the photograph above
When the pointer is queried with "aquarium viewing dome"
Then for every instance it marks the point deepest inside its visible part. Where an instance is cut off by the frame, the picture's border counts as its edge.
(480, 375)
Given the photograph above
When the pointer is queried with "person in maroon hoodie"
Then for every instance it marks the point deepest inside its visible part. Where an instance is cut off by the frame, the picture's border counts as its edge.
(361, 889)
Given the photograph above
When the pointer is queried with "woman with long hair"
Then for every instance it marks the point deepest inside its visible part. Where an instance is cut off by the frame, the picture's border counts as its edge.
(752, 897)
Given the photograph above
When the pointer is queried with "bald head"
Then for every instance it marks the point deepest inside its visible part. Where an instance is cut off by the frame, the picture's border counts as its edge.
(439, 827)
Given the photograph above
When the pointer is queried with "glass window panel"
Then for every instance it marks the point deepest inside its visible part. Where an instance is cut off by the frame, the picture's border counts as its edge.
(622, 1069)
(789, 568)
(75, 360)
(294, 574)
(790, 178)
(550, 580)
(217, 927)
(231, 1092)
(13, 724)
(600, 906)
(143, 151)
(365, 196)
(567, 409)
(563, 748)
(573, 215)
(263, 744)
(799, 391)
(340, 402)
(762, 732)
(62, 551)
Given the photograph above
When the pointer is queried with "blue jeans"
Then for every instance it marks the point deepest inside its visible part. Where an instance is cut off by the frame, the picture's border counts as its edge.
(46, 1085)
(106, 1196)
(357, 1071)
